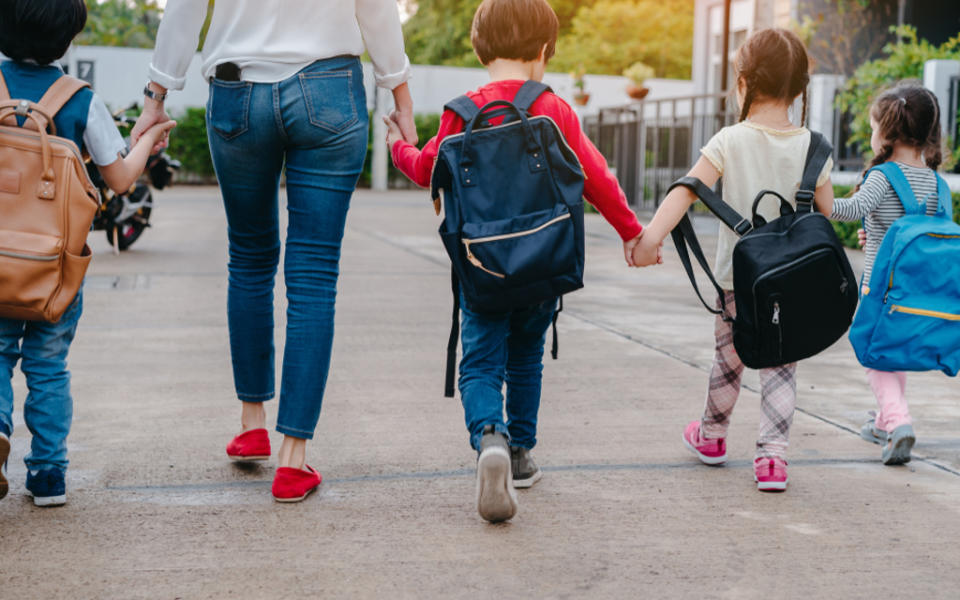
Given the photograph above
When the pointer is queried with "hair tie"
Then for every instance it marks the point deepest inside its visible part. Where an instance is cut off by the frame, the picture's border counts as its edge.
(902, 100)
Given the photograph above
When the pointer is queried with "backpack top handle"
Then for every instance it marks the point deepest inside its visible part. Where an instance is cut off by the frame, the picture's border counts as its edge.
(758, 220)
(536, 156)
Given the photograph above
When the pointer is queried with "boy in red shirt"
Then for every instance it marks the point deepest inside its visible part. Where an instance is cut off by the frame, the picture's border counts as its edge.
(514, 39)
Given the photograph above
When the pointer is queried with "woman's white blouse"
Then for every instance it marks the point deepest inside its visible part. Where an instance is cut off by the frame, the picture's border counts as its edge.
(270, 40)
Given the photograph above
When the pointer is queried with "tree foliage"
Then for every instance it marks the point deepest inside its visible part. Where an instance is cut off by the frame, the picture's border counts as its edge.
(904, 60)
(130, 23)
(843, 34)
(611, 35)
(605, 36)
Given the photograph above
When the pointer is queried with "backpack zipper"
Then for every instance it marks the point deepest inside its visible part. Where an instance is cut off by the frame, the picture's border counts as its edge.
(923, 312)
(46, 258)
(504, 236)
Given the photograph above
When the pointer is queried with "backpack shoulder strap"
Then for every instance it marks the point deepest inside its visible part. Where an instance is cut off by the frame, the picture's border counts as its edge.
(528, 94)
(898, 181)
(463, 107)
(817, 154)
(717, 206)
(945, 198)
(60, 93)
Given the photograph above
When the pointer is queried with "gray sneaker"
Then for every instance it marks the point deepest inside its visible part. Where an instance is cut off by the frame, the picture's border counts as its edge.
(870, 433)
(496, 498)
(899, 444)
(526, 472)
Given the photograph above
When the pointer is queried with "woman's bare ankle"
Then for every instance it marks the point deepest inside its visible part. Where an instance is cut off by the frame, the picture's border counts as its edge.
(293, 452)
(253, 416)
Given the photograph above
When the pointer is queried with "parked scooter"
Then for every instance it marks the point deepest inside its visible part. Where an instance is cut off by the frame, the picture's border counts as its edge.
(124, 217)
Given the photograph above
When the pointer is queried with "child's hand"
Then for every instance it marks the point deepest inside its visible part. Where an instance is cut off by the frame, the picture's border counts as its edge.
(628, 247)
(394, 134)
(647, 252)
(156, 135)
(861, 238)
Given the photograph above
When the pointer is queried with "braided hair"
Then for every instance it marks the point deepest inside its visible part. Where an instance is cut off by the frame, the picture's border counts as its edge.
(773, 63)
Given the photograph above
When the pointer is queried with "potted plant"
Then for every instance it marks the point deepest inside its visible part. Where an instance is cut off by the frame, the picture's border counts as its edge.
(580, 96)
(638, 73)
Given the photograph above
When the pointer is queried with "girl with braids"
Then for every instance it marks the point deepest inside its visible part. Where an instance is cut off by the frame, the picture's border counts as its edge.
(906, 130)
(764, 151)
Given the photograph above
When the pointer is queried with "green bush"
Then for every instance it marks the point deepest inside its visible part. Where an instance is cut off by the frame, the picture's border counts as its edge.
(904, 60)
(188, 144)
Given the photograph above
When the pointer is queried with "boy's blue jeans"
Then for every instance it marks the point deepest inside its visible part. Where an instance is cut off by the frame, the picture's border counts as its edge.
(312, 127)
(497, 348)
(41, 348)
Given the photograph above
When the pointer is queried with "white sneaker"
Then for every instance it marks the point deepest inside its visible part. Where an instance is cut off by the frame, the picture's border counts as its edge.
(496, 498)
(4, 453)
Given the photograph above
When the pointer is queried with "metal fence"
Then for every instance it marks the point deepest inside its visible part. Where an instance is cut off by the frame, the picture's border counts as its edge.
(651, 143)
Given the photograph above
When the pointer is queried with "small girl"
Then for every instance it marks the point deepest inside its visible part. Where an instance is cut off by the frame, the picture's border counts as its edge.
(764, 151)
(906, 130)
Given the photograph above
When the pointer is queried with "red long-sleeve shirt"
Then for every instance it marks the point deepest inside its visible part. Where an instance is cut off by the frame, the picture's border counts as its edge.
(600, 188)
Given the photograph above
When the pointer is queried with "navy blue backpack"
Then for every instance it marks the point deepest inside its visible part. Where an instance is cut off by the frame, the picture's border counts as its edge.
(909, 315)
(513, 202)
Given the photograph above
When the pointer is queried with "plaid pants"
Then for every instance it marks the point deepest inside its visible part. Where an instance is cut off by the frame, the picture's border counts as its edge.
(778, 396)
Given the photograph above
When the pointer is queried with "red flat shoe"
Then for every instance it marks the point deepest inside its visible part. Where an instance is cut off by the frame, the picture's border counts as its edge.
(250, 445)
(293, 485)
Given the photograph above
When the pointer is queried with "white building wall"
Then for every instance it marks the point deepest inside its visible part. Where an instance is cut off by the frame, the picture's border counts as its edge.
(118, 75)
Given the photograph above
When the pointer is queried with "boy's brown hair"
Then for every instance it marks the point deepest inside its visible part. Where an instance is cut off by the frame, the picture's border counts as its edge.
(773, 64)
(514, 29)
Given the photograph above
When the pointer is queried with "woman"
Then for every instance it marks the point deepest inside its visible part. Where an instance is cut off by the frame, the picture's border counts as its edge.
(286, 93)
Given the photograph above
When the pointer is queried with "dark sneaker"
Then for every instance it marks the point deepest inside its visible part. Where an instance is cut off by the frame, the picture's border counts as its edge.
(496, 498)
(899, 444)
(4, 453)
(526, 472)
(47, 487)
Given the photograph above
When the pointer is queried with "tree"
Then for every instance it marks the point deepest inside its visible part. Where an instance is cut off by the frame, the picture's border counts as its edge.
(606, 36)
(843, 34)
(904, 60)
(439, 33)
(131, 23)
(611, 35)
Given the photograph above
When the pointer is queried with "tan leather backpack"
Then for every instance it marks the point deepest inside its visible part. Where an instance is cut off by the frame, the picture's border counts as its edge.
(47, 203)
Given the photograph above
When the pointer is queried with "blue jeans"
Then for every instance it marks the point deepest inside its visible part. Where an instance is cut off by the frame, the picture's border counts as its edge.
(313, 127)
(41, 348)
(497, 348)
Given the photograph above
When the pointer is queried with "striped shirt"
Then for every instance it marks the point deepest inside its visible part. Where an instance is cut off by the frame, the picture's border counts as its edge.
(878, 205)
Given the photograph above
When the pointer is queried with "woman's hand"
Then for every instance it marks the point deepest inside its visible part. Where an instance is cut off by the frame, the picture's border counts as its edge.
(153, 114)
(402, 115)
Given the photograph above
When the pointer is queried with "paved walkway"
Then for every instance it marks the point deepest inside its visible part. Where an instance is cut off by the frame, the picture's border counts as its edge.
(156, 511)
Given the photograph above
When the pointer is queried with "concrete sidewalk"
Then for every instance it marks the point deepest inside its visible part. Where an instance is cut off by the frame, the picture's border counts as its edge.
(155, 509)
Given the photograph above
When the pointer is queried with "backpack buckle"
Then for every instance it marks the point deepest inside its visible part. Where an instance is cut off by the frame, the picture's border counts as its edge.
(743, 227)
(805, 196)
(22, 109)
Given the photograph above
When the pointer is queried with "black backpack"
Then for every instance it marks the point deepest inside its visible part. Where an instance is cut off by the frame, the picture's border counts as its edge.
(794, 288)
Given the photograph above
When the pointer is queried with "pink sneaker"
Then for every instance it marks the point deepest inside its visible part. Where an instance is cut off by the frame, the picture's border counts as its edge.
(770, 474)
(709, 451)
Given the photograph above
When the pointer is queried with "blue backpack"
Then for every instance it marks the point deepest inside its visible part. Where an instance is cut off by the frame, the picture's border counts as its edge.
(513, 201)
(909, 317)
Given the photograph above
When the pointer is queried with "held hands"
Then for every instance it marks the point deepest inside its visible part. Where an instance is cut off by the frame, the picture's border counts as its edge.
(157, 134)
(153, 114)
(645, 252)
(403, 118)
(861, 238)
(394, 133)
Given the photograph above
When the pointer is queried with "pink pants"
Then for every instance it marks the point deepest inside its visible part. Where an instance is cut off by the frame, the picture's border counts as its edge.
(889, 387)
